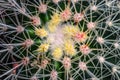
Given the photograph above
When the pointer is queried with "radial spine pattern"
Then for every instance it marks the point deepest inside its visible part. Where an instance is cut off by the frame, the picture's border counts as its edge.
(59, 40)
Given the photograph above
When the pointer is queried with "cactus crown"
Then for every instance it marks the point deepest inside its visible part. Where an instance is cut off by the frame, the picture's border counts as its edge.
(59, 39)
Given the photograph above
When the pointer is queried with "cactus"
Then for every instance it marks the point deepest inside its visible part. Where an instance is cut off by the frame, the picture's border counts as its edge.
(59, 39)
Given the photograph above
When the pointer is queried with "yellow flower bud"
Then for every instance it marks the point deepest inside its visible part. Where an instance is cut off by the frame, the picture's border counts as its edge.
(70, 30)
(43, 48)
(69, 48)
(57, 53)
(41, 32)
(52, 25)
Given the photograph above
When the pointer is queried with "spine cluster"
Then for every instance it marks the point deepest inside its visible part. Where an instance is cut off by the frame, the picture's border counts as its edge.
(59, 39)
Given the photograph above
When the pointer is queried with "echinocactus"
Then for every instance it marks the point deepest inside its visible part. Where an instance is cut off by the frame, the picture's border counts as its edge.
(59, 40)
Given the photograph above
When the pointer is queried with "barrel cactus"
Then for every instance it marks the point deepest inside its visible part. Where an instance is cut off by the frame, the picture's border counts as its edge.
(59, 39)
